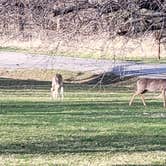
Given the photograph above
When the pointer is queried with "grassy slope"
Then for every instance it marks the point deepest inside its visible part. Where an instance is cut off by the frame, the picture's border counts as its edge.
(92, 126)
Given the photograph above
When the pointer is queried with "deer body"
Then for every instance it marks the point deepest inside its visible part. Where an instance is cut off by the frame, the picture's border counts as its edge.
(57, 87)
(151, 85)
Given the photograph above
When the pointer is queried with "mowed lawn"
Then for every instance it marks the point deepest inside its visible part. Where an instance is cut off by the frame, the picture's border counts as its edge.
(92, 126)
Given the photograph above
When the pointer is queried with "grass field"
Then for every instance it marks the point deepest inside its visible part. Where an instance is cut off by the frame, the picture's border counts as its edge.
(91, 127)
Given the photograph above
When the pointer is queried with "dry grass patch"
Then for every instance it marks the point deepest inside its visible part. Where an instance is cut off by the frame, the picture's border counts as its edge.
(95, 159)
(43, 75)
(95, 46)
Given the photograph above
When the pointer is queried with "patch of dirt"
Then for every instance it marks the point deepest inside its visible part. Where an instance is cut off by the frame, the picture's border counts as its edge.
(69, 77)
(102, 79)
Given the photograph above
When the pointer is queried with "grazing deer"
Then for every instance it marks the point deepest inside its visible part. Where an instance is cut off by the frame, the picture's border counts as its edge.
(151, 85)
(57, 87)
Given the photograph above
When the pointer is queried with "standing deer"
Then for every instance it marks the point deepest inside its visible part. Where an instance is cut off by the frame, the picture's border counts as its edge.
(151, 85)
(57, 87)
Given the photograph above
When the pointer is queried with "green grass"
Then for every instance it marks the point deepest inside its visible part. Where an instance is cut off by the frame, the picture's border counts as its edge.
(94, 55)
(77, 54)
(12, 49)
(90, 127)
(150, 60)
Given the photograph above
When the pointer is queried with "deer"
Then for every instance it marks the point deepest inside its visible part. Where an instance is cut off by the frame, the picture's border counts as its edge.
(57, 87)
(152, 85)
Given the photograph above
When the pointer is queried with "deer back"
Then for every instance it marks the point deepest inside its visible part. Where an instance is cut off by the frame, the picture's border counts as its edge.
(151, 84)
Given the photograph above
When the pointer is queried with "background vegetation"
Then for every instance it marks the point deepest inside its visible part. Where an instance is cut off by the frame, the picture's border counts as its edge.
(90, 28)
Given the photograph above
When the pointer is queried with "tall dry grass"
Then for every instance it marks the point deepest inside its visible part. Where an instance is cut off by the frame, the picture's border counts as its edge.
(95, 46)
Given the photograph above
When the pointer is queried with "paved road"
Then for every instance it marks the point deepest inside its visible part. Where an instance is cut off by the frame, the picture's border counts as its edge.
(13, 60)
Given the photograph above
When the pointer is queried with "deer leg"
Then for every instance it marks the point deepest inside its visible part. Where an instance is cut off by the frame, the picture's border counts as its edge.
(52, 91)
(143, 99)
(61, 93)
(131, 101)
(54, 94)
(164, 98)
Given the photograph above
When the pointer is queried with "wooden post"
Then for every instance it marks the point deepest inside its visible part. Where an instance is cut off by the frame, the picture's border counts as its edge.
(159, 48)
(158, 38)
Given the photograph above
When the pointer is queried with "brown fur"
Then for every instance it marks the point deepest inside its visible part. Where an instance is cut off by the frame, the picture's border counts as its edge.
(146, 84)
(57, 86)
